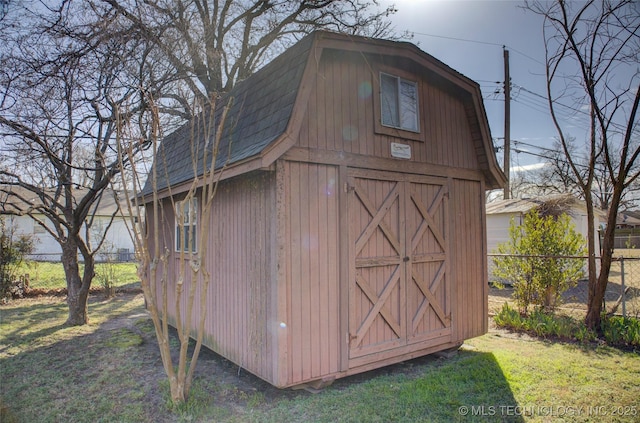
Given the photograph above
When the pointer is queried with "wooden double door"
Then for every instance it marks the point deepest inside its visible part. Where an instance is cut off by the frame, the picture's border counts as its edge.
(399, 285)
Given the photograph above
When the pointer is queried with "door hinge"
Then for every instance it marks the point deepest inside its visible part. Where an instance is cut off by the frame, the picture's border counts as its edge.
(348, 188)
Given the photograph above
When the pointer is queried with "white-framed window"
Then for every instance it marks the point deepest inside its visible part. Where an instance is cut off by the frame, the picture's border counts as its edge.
(186, 230)
(399, 102)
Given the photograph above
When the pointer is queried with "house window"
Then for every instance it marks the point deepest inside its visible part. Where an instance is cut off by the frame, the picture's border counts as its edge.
(186, 220)
(399, 102)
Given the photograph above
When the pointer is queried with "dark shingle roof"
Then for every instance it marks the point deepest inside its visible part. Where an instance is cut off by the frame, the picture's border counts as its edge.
(260, 110)
(262, 105)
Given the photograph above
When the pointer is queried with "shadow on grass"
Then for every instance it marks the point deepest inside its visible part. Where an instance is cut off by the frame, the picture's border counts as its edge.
(18, 323)
(86, 376)
(83, 373)
(23, 324)
(468, 387)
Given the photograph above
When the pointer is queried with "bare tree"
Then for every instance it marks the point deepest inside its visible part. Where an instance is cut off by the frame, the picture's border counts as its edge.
(62, 84)
(557, 177)
(167, 276)
(206, 46)
(67, 69)
(592, 51)
(197, 51)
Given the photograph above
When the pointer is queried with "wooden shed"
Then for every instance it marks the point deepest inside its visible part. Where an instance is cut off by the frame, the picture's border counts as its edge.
(349, 231)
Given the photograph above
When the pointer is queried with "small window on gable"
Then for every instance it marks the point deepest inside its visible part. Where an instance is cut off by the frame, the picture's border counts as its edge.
(399, 103)
(186, 230)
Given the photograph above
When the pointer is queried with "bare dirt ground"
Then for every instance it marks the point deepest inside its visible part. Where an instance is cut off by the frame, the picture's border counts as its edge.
(233, 386)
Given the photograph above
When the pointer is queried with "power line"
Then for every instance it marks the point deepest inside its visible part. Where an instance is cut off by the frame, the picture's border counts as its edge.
(554, 101)
(518, 52)
(488, 82)
(465, 40)
(527, 56)
(577, 112)
(457, 39)
(539, 103)
(551, 150)
(532, 106)
(548, 157)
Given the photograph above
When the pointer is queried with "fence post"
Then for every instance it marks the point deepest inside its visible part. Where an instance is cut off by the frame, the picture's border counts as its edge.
(624, 308)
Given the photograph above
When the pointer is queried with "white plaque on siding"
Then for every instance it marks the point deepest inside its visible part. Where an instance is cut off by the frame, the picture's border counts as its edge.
(401, 151)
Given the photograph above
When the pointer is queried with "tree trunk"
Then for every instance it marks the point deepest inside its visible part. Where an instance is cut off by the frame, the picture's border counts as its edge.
(594, 307)
(78, 309)
(597, 291)
(598, 287)
(77, 291)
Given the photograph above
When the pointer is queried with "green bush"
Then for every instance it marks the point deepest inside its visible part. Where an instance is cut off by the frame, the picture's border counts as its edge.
(543, 324)
(13, 249)
(566, 327)
(618, 330)
(538, 260)
(584, 334)
(508, 318)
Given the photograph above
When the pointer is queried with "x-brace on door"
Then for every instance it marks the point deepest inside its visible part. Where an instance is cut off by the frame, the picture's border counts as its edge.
(399, 289)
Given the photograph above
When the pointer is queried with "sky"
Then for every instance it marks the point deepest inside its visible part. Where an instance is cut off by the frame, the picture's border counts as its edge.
(469, 35)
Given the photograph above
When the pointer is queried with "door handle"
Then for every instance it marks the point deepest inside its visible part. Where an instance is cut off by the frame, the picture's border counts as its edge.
(406, 259)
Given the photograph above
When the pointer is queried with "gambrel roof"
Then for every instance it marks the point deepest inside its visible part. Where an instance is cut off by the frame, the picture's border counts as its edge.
(266, 109)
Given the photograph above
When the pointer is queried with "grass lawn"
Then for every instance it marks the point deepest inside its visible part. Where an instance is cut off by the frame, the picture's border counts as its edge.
(110, 371)
(50, 275)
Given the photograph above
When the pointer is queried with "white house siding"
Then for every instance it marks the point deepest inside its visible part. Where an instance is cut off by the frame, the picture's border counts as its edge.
(498, 223)
(498, 229)
(118, 243)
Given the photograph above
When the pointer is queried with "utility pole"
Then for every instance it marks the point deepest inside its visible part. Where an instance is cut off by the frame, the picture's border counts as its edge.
(507, 123)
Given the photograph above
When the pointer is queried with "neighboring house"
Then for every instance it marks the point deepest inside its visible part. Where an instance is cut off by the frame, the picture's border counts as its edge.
(628, 220)
(500, 213)
(349, 230)
(118, 244)
(627, 230)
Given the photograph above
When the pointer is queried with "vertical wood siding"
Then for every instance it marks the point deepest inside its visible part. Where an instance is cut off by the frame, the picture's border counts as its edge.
(277, 252)
(428, 224)
(241, 316)
(400, 283)
(379, 276)
(313, 259)
(469, 255)
(241, 237)
(341, 115)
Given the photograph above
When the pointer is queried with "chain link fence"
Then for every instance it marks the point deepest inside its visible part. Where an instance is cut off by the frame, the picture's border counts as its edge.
(622, 296)
(121, 255)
